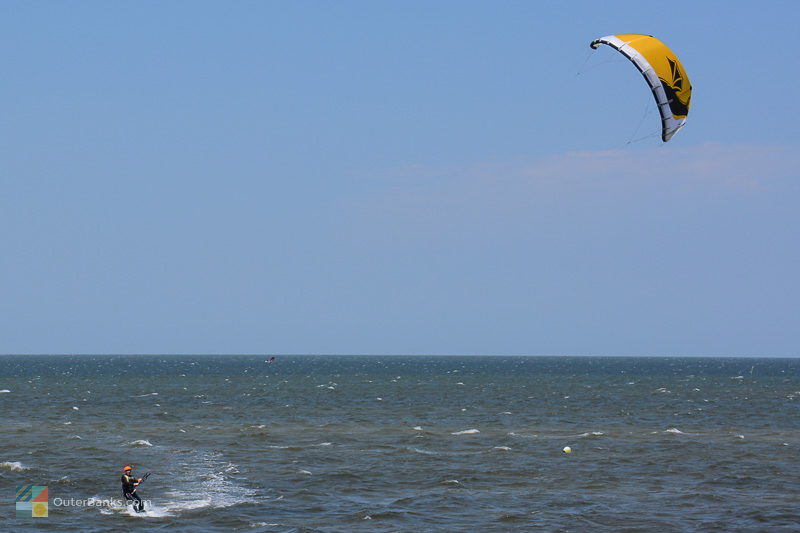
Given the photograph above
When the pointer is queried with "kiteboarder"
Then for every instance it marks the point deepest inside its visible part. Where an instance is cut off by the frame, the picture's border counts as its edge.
(129, 484)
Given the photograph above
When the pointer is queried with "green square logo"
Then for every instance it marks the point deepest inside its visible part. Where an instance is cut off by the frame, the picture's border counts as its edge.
(32, 501)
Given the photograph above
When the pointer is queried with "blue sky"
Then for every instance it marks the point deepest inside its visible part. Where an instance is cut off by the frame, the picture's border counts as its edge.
(395, 178)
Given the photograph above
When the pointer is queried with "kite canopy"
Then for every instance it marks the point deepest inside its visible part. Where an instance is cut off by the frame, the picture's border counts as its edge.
(662, 71)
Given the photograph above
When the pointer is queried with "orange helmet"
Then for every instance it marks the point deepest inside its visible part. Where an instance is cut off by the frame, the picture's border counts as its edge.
(127, 468)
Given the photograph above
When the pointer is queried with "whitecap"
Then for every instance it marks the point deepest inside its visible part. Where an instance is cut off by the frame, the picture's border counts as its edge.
(305, 472)
(451, 482)
(140, 442)
(13, 466)
(325, 444)
(592, 434)
(417, 428)
(75, 437)
(502, 448)
(216, 488)
(504, 413)
(423, 452)
(674, 430)
(466, 432)
(75, 408)
(4, 391)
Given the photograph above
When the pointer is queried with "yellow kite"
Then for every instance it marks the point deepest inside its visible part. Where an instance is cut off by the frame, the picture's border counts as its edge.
(662, 71)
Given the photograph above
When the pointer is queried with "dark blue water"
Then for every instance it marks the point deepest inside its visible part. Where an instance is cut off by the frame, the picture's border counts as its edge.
(339, 443)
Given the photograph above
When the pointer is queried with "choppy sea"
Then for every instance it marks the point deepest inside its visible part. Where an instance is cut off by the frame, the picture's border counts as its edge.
(412, 444)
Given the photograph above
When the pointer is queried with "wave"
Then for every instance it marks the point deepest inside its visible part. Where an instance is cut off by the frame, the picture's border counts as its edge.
(423, 452)
(140, 442)
(592, 434)
(13, 466)
(4, 391)
(674, 430)
(218, 487)
(466, 432)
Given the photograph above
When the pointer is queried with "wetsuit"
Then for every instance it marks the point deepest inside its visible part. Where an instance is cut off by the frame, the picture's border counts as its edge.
(128, 487)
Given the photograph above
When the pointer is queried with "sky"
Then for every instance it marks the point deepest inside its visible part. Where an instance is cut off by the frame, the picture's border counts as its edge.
(360, 177)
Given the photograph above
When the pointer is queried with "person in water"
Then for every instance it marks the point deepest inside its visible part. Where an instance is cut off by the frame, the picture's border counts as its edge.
(129, 484)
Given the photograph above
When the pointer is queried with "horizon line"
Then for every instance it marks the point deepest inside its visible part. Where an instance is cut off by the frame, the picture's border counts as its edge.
(269, 354)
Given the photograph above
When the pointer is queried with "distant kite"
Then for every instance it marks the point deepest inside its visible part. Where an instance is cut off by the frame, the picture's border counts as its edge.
(662, 71)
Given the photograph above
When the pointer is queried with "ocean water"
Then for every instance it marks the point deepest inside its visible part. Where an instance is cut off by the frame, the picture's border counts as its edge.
(341, 443)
